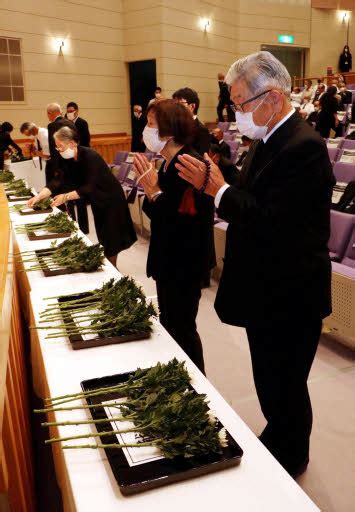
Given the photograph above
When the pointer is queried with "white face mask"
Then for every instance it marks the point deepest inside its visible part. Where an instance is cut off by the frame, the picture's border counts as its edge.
(71, 116)
(247, 127)
(68, 153)
(152, 141)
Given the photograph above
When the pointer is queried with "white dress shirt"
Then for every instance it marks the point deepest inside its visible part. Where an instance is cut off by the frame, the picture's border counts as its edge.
(222, 190)
(42, 137)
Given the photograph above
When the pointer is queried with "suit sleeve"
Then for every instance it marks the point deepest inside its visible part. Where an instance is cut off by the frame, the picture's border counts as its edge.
(305, 171)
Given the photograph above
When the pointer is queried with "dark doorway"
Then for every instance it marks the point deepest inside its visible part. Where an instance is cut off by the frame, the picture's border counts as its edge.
(292, 57)
(142, 81)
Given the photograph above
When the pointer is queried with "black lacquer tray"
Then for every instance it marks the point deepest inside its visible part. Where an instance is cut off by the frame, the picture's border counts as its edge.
(78, 342)
(150, 475)
(42, 253)
(36, 212)
(14, 199)
(50, 236)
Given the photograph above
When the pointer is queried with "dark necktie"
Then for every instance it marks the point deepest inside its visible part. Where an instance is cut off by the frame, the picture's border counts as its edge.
(251, 164)
(39, 147)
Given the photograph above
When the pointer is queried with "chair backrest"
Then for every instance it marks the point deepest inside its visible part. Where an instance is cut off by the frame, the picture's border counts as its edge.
(228, 136)
(348, 144)
(123, 171)
(234, 156)
(333, 153)
(223, 126)
(130, 177)
(233, 144)
(120, 157)
(349, 256)
(341, 227)
(344, 172)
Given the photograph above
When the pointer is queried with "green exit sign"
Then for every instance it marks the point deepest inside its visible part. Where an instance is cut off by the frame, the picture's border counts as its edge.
(283, 38)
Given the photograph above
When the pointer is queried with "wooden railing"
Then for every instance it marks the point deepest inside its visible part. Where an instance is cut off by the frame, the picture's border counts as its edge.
(16, 461)
(298, 81)
(106, 144)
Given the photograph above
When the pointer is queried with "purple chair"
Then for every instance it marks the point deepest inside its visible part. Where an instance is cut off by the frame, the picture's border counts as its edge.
(223, 126)
(233, 144)
(120, 157)
(341, 227)
(349, 256)
(227, 136)
(234, 156)
(333, 153)
(348, 144)
(344, 172)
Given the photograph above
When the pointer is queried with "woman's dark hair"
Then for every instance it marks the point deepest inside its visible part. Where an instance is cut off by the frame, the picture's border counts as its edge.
(332, 90)
(347, 47)
(328, 101)
(173, 119)
(6, 127)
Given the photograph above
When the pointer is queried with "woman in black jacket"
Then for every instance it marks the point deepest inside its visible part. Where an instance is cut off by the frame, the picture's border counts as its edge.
(327, 117)
(345, 60)
(87, 176)
(181, 250)
(6, 141)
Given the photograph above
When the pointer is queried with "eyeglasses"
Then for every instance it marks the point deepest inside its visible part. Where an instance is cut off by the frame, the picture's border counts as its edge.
(239, 107)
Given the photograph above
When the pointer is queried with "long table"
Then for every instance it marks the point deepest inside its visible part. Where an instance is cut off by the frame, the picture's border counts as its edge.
(84, 476)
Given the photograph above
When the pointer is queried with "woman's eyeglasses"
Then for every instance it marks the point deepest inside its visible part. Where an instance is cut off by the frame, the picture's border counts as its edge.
(239, 107)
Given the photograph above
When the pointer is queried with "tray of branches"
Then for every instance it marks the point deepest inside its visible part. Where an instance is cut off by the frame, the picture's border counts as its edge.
(16, 190)
(69, 257)
(58, 225)
(153, 425)
(117, 312)
(43, 206)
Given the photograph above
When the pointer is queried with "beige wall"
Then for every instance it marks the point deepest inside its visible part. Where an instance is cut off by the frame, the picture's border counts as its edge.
(102, 35)
(91, 71)
(328, 37)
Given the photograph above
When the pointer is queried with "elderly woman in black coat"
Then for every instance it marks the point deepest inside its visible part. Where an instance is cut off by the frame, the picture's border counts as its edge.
(87, 176)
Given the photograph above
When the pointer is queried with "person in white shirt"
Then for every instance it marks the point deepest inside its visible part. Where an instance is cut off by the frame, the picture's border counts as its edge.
(157, 96)
(308, 91)
(306, 108)
(40, 137)
(296, 97)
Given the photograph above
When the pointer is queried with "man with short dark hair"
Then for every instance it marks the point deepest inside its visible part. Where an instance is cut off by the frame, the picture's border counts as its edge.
(81, 124)
(217, 138)
(189, 98)
(157, 96)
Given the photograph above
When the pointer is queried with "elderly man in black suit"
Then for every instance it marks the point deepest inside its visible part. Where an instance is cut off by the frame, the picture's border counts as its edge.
(277, 274)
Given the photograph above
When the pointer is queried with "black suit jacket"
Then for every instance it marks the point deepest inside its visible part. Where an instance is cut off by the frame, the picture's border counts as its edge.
(138, 126)
(225, 149)
(55, 163)
(276, 262)
(201, 141)
(82, 128)
(181, 245)
(224, 96)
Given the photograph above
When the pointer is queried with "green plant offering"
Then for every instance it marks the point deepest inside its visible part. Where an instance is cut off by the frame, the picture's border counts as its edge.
(165, 411)
(72, 254)
(43, 204)
(118, 308)
(6, 176)
(54, 223)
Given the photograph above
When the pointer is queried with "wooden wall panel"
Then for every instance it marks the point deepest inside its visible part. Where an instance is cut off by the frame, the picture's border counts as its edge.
(16, 459)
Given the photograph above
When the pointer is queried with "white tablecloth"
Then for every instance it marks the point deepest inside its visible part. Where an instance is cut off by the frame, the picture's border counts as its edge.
(259, 484)
(30, 171)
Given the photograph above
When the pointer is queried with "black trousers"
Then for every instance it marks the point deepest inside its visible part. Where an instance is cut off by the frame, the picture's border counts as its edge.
(282, 356)
(83, 219)
(178, 305)
(230, 113)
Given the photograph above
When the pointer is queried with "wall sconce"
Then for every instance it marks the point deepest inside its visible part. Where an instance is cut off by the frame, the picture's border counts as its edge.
(343, 17)
(205, 24)
(59, 44)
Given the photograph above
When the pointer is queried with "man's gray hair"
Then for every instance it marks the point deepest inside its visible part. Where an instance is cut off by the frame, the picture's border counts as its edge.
(260, 71)
(53, 107)
(66, 135)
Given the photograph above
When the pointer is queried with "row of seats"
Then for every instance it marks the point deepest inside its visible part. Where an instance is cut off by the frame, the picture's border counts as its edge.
(342, 238)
